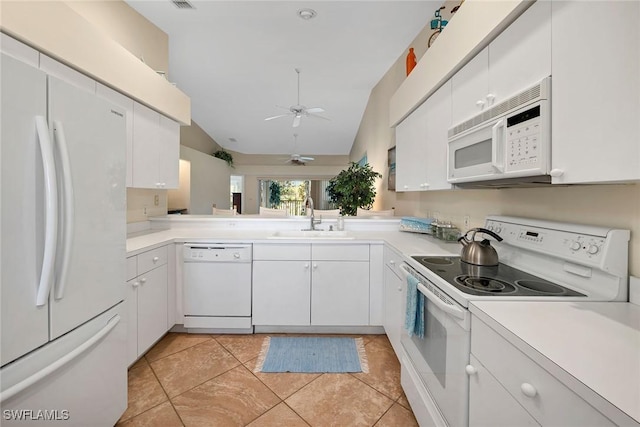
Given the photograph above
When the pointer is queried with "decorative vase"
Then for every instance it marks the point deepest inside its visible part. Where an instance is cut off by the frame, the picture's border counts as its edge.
(411, 60)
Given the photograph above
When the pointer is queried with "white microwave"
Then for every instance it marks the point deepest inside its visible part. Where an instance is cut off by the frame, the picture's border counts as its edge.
(510, 142)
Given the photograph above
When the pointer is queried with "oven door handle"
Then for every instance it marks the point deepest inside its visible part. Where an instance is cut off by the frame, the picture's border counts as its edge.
(447, 308)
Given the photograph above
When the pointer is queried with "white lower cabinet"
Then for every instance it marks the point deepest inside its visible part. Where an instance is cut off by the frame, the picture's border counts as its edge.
(310, 284)
(506, 370)
(147, 301)
(394, 298)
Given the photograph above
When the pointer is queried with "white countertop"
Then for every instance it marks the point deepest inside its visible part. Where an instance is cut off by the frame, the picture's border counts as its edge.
(597, 343)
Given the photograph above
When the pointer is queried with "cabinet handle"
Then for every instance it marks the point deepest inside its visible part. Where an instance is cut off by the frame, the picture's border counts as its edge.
(135, 284)
(155, 259)
(480, 103)
(315, 266)
(392, 262)
(556, 172)
(306, 266)
(528, 390)
(470, 370)
(490, 98)
(399, 288)
(143, 280)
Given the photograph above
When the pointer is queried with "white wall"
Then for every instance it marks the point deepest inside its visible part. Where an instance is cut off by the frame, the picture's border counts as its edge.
(210, 181)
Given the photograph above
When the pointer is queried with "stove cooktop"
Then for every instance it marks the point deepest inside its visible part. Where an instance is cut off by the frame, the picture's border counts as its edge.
(501, 280)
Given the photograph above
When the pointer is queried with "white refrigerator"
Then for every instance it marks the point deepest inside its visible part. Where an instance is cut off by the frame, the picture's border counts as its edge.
(63, 250)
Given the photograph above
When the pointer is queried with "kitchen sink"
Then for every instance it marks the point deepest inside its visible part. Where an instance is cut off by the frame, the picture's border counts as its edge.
(310, 234)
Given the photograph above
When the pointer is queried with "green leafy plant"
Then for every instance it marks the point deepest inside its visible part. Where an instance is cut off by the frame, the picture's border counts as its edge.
(224, 155)
(274, 194)
(353, 188)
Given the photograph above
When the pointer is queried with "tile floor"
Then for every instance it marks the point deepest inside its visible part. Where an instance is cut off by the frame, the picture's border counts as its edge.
(208, 380)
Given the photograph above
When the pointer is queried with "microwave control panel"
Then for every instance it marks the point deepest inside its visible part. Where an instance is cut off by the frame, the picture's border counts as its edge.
(524, 138)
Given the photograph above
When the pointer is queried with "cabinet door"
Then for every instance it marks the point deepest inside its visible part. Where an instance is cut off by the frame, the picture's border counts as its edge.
(340, 293)
(469, 88)
(169, 151)
(152, 307)
(411, 151)
(437, 129)
(595, 92)
(484, 392)
(281, 293)
(146, 131)
(521, 55)
(393, 307)
(131, 305)
(126, 103)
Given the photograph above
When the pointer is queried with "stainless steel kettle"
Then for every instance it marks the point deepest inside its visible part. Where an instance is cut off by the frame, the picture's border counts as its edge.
(479, 252)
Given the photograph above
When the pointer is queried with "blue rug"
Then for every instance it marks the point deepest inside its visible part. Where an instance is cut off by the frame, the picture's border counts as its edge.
(312, 355)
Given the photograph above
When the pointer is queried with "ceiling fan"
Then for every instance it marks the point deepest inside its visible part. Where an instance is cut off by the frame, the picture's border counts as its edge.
(297, 159)
(299, 110)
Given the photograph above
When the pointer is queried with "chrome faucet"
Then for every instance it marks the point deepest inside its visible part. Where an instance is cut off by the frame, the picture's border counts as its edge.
(313, 221)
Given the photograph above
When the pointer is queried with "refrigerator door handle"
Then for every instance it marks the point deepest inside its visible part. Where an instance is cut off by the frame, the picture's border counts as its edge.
(76, 352)
(51, 211)
(68, 209)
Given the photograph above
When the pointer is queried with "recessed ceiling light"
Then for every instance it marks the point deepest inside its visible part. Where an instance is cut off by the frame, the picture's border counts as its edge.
(307, 14)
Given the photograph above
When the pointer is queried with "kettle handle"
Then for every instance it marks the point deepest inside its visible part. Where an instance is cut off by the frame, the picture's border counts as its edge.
(485, 231)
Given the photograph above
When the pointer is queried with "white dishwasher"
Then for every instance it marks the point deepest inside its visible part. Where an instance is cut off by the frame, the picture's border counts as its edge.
(217, 287)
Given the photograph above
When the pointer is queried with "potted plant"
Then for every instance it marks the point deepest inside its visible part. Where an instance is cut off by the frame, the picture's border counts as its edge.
(353, 188)
(224, 155)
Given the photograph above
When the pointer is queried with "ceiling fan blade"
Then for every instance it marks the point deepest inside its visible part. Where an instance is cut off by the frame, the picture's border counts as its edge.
(277, 117)
(315, 110)
(306, 159)
(319, 117)
(296, 121)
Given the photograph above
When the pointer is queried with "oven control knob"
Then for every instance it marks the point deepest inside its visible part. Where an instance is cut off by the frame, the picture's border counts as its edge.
(575, 245)
(593, 249)
(470, 370)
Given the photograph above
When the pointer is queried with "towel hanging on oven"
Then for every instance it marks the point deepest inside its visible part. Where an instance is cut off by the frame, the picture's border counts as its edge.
(414, 316)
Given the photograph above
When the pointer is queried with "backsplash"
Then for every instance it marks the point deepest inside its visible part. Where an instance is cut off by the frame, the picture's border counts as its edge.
(144, 203)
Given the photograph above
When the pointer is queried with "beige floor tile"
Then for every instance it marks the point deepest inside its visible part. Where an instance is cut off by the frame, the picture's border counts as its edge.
(243, 347)
(162, 415)
(384, 368)
(404, 402)
(173, 343)
(188, 368)
(283, 384)
(339, 400)
(281, 416)
(397, 416)
(140, 362)
(144, 391)
(234, 398)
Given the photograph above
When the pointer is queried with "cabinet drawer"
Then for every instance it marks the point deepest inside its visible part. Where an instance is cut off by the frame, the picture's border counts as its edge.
(340, 252)
(152, 259)
(551, 402)
(282, 252)
(132, 267)
(392, 259)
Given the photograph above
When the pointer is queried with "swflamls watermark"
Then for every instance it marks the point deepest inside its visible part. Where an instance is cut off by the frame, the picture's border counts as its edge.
(35, 414)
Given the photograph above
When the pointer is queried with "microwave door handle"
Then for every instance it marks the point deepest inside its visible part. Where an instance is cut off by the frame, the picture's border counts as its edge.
(497, 151)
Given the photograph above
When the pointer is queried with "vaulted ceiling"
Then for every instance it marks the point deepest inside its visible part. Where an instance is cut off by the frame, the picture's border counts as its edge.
(237, 61)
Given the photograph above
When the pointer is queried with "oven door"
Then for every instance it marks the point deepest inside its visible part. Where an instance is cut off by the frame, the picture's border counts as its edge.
(478, 154)
(441, 356)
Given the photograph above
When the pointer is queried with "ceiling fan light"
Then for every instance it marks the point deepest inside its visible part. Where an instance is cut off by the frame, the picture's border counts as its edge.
(307, 14)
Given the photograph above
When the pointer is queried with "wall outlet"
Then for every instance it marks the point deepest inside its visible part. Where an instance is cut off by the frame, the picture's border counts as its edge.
(144, 210)
(466, 222)
(156, 200)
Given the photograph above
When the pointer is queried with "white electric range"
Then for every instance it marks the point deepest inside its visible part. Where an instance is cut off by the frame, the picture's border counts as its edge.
(539, 261)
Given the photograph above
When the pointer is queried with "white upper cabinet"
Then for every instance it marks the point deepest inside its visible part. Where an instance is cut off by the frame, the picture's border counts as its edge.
(421, 144)
(595, 92)
(156, 149)
(517, 59)
(127, 104)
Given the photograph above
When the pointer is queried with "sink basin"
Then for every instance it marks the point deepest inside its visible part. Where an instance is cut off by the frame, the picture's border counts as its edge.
(310, 234)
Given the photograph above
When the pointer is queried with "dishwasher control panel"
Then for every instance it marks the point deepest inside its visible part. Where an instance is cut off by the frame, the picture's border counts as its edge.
(210, 252)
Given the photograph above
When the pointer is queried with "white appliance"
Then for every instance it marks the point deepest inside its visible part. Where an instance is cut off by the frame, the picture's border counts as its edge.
(539, 260)
(63, 252)
(510, 142)
(217, 287)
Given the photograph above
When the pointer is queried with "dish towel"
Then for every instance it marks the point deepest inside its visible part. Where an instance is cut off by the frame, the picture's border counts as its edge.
(414, 316)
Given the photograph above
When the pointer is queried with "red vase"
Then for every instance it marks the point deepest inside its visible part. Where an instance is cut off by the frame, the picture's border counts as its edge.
(411, 60)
